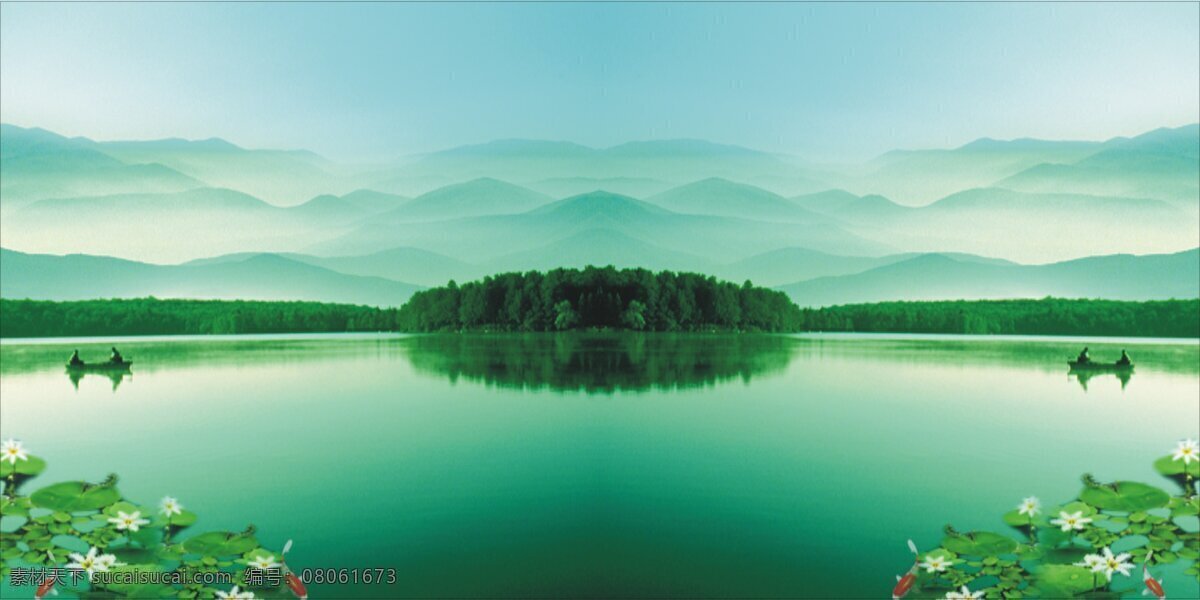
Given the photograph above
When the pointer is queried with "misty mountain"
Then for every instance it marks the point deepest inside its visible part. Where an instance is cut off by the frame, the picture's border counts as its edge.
(352, 206)
(941, 277)
(38, 164)
(168, 227)
(477, 239)
(483, 196)
(598, 247)
(790, 265)
(670, 161)
(918, 177)
(257, 277)
(562, 187)
(721, 197)
(1024, 227)
(281, 177)
(1163, 164)
(847, 206)
(411, 265)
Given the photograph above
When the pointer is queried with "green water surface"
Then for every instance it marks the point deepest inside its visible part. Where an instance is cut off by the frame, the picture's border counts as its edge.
(602, 465)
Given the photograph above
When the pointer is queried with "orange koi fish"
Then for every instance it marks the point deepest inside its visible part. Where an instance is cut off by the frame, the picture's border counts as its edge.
(904, 584)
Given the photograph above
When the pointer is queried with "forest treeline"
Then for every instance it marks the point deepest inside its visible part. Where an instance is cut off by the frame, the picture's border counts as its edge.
(1047, 316)
(594, 297)
(633, 299)
(151, 316)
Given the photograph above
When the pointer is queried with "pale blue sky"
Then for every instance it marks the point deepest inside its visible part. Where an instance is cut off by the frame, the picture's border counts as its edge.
(375, 80)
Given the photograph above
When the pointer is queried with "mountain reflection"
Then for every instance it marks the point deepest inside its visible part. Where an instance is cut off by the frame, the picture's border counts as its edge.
(600, 362)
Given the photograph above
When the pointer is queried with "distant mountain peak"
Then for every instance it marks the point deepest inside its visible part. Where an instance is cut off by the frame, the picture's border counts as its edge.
(599, 202)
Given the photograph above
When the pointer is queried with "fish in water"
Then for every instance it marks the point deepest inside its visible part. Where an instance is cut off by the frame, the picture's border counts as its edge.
(904, 584)
(46, 587)
(291, 579)
(1153, 586)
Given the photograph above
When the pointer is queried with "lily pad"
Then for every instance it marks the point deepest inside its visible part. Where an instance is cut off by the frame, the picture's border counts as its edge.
(184, 519)
(134, 589)
(123, 507)
(30, 467)
(73, 496)
(1014, 518)
(1064, 581)
(14, 507)
(220, 543)
(1181, 507)
(135, 556)
(979, 543)
(1125, 496)
(1169, 466)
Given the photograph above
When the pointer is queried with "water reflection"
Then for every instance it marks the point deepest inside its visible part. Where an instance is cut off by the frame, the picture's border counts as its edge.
(1083, 377)
(600, 362)
(114, 375)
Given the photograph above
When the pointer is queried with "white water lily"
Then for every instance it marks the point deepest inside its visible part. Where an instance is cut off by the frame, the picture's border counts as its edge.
(935, 563)
(964, 594)
(170, 506)
(131, 521)
(265, 563)
(1091, 561)
(1187, 451)
(235, 594)
(1030, 506)
(1110, 564)
(1069, 521)
(109, 561)
(12, 451)
(90, 564)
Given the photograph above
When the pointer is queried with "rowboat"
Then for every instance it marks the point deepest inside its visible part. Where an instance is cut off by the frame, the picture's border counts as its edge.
(1099, 366)
(104, 366)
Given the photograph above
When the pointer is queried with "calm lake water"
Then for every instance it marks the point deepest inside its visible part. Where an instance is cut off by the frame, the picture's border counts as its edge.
(608, 464)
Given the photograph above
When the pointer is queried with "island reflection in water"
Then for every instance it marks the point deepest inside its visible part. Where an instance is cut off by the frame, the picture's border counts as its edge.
(599, 362)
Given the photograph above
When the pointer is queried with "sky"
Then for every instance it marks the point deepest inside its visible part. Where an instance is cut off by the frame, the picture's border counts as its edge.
(822, 81)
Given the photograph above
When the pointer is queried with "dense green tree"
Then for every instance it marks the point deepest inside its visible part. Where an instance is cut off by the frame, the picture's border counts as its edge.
(601, 298)
(1048, 316)
(150, 316)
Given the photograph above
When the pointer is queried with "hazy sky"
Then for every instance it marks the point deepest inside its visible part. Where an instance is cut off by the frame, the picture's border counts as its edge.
(375, 80)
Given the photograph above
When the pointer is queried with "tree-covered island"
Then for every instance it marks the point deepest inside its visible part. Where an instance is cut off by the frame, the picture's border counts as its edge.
(635, 299)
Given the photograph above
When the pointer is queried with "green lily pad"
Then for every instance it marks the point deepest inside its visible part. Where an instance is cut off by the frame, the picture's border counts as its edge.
(1125, 496)
(1063, 581)
(133, 589)
(1062, 556)
(220, 543)
(14, 507)
(123, 507)
(1169, 466)
(1014, 518)
(30, 467)
(1181, 507)
(135, 556)
(184, 519)
(979, 543)
(73, 496)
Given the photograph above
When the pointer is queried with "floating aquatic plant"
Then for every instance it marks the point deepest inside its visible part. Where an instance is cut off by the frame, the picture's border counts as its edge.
(1087, 547)
(77, 536)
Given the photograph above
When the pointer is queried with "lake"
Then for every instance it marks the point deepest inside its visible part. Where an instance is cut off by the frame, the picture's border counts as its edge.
(601, 465)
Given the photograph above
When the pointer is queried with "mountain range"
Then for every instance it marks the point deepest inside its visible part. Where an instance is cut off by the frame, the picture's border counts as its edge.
(257, 277)
(943, 277)
(370, 279)
(979, 214)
